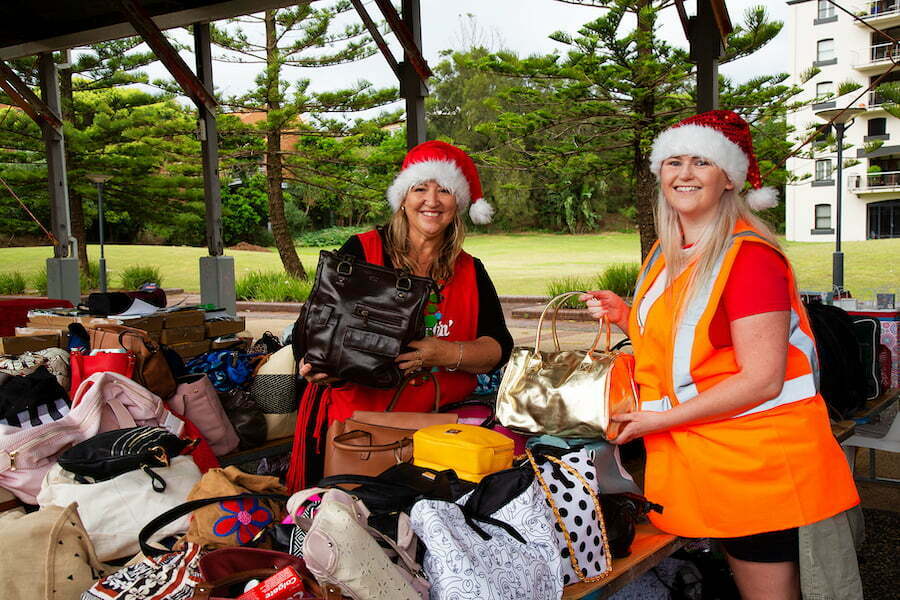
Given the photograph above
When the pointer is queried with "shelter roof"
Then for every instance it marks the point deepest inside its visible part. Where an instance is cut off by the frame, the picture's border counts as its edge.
(34, 26)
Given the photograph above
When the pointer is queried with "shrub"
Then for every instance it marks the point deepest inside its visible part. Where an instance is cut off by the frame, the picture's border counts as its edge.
(556, 287)
(39, 282)
(91, 279)
(12, 283)
(332, 236)
(272, 286)
(135, 276)
(619, 278)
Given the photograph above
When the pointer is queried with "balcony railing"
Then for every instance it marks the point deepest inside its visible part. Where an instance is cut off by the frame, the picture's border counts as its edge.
(879, 8)
(877, 54)
(876, 99)
(874, 182)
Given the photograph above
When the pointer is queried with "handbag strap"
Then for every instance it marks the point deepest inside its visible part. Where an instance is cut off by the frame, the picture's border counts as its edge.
(184, 509)
(559, 520)
(556, 303)
(402, 386)
(340, 442)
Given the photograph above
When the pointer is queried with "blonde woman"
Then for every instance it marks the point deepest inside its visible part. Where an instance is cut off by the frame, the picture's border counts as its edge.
(739, 446)
(466, 333)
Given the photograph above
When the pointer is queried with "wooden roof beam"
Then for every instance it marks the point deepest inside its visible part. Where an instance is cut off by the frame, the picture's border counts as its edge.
(27, 100)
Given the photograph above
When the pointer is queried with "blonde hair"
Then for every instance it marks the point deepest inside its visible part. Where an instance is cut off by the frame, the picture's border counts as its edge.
(713, 243)
(397, 236)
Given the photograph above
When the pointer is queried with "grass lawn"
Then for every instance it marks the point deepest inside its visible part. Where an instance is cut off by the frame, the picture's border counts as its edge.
(520, 264)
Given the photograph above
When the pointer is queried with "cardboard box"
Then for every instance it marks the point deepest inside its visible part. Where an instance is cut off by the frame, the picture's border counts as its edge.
(183, 318)
(231, 344)
(62, 333)
(182, 334)
(149, 323)
(27, 343)
(190, 349)
(215, 329)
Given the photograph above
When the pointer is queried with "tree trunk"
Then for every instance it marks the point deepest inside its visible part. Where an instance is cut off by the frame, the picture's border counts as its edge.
(274, 169)
(76, 203)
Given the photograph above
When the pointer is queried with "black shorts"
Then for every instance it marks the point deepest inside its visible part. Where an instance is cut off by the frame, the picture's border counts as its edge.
(769, 547)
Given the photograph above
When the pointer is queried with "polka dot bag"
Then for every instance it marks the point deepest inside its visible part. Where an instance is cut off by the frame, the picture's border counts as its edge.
(570, 489)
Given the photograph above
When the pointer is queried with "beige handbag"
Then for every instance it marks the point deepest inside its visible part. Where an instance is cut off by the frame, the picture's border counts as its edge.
(571, 393)
(46, 555)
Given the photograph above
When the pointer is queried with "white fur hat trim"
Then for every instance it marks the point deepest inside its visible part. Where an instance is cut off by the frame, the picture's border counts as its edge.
(481, 212)
(696, 140)
(444, 172)
(763, 198)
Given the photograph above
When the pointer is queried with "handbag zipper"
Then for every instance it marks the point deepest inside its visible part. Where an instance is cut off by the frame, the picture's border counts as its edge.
(367, 313)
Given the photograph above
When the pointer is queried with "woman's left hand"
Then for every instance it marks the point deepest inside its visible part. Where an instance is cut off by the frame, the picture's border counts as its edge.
(427, 352)
(638, 424)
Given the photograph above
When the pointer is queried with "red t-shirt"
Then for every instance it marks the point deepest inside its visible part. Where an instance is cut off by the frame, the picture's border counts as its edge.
(758, 283)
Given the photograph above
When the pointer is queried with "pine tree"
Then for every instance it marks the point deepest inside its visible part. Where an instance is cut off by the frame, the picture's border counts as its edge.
(587, 120)
(295, 37)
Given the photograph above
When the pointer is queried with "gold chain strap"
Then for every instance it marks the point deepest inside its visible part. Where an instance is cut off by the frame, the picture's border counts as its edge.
(562, 525)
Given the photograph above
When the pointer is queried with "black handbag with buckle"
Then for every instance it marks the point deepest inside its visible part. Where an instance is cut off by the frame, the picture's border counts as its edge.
(359, 317)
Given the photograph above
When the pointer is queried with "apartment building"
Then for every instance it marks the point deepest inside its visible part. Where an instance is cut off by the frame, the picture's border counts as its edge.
(845, 49)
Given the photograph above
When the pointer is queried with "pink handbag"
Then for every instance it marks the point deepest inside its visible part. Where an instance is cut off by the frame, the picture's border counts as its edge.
(103, 402)
(196, 399)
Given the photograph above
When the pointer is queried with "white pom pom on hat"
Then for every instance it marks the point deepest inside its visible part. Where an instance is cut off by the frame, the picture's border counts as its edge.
(448, 166)
(723, 137)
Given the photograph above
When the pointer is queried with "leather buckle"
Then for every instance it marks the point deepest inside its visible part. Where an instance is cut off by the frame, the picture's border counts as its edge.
(404, 284)
(344, 268)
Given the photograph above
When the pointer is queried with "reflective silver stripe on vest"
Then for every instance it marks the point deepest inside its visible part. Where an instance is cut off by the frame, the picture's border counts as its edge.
(657, 405)
(643, 274)
(799, 388)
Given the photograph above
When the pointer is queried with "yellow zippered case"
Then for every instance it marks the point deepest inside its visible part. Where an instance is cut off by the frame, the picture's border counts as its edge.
(472, 451)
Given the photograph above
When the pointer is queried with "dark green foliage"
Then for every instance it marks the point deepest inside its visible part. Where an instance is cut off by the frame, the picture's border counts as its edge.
(331, 237)
(39, 281)
(90, 280)
(619, 278)
(559, 286)
(12, 283)
(135, 276)
(272, 286)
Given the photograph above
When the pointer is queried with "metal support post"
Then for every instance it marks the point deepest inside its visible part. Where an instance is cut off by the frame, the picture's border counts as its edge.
(216, 270)
(62, 270)
(706, 50)
(837, 262)
(412, 88)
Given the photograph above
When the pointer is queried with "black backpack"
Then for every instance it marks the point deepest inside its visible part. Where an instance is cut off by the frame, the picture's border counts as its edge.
(868, 333)
(842, 377)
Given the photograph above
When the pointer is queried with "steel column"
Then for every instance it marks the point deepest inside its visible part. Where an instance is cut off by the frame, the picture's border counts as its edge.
(412, 87)
(216, 270)
(706, 50)
(62, 270)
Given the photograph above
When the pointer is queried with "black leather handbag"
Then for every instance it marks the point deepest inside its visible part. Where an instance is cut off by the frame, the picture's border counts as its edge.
(359, 317)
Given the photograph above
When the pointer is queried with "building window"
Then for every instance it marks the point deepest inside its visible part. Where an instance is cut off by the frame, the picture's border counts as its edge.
(877, 126)
(823, 216)
(825, 50)
(823, 90)
(884, 219)
(823, 170)
(826, 9)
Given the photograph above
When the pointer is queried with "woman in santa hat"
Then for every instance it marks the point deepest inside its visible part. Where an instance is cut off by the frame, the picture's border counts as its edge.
(466, 333)
(739, 445)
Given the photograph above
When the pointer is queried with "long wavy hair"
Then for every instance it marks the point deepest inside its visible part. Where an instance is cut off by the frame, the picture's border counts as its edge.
(398, 247)
(712, 244)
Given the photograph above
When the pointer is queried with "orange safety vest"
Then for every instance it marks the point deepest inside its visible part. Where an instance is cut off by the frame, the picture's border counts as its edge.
(773, 466)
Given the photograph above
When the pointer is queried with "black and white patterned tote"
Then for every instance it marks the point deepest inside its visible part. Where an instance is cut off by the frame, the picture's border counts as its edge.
(570, 492)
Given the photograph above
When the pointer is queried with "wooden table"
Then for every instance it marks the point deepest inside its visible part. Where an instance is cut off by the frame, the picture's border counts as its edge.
(649, 548)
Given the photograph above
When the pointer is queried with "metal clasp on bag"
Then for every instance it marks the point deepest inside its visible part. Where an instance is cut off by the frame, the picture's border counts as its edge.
(404, 283)
(344, 268)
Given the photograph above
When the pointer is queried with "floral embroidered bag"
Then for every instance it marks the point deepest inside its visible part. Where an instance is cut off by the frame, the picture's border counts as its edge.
(236, 521)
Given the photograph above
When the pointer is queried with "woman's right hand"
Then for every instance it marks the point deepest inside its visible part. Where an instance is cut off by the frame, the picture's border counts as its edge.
(602, 303)
(315, 377)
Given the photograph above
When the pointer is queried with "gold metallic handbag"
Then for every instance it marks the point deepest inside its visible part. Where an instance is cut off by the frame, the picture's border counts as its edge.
(570, 393)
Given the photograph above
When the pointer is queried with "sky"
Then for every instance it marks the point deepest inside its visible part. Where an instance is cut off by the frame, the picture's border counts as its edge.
(519, 25)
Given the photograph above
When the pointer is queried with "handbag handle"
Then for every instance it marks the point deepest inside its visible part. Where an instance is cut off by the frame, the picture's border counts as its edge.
(559, 520)
(340, 442)
(402, 386)
(488, 422)
(183, 509)
(556, 303)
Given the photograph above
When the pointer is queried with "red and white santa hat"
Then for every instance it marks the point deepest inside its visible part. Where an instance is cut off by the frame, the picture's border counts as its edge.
(722, 137)
(451, 168)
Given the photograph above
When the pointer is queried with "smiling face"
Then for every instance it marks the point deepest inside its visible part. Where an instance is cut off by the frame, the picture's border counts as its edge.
(429, 209)
(693, 186)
